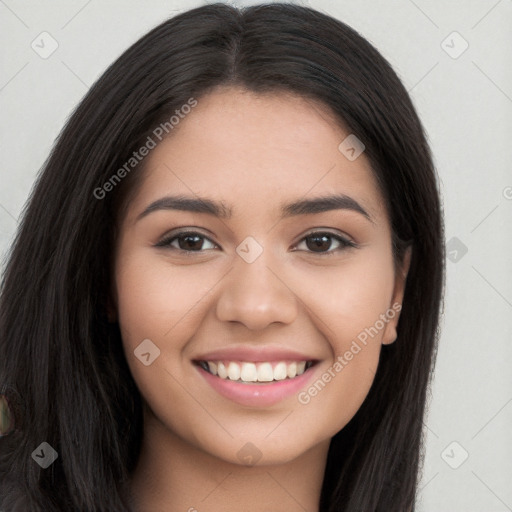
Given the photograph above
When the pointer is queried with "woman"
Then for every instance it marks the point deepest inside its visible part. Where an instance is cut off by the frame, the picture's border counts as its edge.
(173, 334)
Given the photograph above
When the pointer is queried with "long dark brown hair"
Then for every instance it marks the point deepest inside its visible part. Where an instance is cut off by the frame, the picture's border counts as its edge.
(61, 361)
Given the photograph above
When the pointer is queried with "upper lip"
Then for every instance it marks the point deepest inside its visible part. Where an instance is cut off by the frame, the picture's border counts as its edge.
(254, 354)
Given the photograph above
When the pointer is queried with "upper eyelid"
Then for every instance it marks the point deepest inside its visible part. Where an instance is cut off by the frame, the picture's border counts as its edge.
(327, 231)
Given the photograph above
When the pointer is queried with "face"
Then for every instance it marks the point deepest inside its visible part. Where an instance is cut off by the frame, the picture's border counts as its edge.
(296, 302)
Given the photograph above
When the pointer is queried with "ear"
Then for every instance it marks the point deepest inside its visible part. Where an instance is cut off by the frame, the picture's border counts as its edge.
(390, 333)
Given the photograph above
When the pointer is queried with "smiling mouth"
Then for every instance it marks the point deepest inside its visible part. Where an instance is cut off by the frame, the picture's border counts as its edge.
(256, 373)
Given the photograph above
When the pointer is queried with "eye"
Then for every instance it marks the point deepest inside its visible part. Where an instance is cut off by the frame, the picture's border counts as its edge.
(187, 241)
(319, 240)
(316, 242)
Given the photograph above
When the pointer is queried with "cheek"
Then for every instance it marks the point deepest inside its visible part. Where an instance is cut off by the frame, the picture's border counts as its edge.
(347, 303)
(156, 298)
(163, 304)
(348, 297)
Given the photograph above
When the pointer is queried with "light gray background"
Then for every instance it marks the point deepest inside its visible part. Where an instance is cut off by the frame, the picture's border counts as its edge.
(466, 106)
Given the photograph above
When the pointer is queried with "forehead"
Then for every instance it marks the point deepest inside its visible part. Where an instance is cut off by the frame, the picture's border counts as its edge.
(257, 151)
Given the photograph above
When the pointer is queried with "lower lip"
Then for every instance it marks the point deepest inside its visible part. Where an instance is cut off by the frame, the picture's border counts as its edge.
(257, 395)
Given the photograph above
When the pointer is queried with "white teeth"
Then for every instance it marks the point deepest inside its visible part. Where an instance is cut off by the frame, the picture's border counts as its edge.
(265, 372)
(292, 370)
(257, 372)
(221, 371)
(280, 371)
(234, 371)
(249, 372)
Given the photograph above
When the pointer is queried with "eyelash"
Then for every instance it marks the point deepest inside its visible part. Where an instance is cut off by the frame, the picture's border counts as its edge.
(345, 244)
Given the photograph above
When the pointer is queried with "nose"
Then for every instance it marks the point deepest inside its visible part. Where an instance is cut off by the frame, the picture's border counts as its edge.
(256, 295)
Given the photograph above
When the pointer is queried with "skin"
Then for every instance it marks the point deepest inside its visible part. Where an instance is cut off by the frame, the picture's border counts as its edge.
(253, 153)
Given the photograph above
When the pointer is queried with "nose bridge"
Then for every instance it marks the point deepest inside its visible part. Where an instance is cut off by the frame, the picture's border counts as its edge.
(253, 292)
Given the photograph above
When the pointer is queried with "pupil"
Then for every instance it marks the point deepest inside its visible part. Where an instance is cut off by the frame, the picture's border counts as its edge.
(190, 244)
(319, 241)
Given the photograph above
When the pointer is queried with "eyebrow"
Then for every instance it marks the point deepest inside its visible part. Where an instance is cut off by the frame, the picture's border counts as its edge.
(220, 210)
